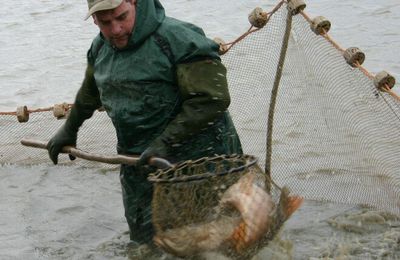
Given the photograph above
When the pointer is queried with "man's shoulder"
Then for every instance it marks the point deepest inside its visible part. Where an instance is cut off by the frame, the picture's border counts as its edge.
(97, 41)
(94, 49)
(186, 40)
(175, 27)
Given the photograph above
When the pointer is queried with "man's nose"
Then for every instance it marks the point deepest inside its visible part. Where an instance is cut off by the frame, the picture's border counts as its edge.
(116, 28)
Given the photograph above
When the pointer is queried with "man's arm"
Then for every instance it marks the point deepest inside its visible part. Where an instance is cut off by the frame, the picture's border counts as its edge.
(86, 102)
(204, 90)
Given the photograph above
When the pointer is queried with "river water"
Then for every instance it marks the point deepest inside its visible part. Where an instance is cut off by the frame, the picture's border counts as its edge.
(60, 212)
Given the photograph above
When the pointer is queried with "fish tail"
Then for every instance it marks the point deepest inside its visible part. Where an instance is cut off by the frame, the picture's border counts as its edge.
(293, 203)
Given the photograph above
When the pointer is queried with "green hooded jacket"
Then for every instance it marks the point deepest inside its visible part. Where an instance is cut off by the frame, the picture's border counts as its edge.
(167, 85)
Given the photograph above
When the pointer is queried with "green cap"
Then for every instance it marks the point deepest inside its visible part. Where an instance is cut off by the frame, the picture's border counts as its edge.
(99, 5)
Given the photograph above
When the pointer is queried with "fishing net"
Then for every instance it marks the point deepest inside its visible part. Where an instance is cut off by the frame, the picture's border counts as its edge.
(42, 125)
(331, 134)
(200, 182)
(223, 203)
(335, 135)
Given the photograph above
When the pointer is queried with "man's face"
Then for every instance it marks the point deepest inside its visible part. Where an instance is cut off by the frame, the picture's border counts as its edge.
(117, 24)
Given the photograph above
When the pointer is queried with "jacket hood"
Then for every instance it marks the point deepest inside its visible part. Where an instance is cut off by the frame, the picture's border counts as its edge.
(149, 15)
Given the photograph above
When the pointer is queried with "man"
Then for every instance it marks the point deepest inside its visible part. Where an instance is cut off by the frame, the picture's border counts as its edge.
(162, 83)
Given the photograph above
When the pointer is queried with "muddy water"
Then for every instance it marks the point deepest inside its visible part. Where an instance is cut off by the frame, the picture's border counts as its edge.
(49, 212)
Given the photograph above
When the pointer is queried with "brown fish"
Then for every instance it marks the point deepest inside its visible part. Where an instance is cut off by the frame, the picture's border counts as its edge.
(257, 215)
(248, 196)
(194, 239)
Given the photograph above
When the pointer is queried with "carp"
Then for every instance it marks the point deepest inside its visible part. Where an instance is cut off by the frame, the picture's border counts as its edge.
(247, 214)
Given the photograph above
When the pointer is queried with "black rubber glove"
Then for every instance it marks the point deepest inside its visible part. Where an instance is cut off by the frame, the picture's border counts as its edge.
(158, 148)
(63, 137)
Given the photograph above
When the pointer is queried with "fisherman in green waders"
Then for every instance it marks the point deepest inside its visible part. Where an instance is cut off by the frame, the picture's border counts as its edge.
(163, 85)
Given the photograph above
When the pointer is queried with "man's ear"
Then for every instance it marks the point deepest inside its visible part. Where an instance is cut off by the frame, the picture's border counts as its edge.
(94, 19)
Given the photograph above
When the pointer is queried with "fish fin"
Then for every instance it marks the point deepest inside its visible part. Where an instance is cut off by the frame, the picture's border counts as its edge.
(238, 237)
(293, 203)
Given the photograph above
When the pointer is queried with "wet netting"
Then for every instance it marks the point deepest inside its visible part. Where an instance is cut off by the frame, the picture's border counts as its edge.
(313, 122)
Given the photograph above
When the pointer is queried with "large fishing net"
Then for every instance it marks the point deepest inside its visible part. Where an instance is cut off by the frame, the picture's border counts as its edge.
(312, 120)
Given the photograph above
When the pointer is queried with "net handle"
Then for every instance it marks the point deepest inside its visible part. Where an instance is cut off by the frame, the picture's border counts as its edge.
(114, 159)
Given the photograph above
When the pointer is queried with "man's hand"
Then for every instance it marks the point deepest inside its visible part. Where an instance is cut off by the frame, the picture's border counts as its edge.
(63, 137)
(157, 149)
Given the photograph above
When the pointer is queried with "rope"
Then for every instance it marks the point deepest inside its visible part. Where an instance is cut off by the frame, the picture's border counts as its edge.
(251, 30)
(391, 92)
(386, 88)
(13, 113)
(357, 64)
(325, 34)
(274, 94)
(363, 70)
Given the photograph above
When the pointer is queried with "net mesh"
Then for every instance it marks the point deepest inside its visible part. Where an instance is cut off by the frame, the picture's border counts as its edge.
(202, 192)
(97, 135)
(335, 136)
(224, 203)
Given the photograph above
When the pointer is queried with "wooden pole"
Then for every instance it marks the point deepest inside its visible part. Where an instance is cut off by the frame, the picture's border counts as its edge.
(115, 159)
